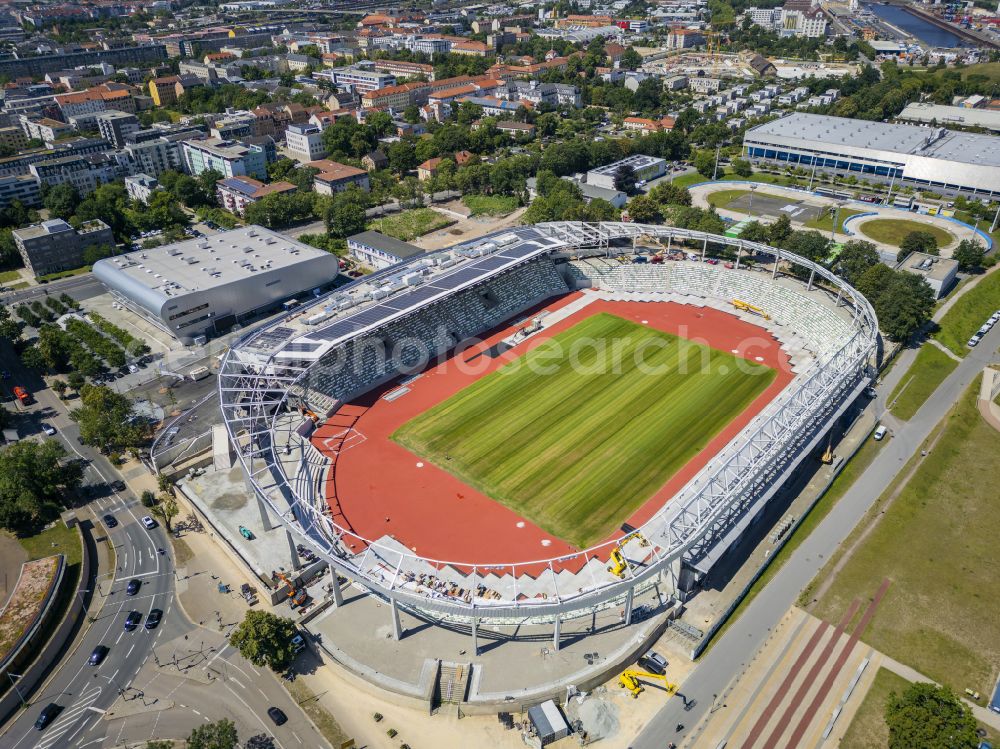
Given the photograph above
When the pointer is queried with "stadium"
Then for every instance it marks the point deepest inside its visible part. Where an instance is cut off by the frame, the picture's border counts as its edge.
(548, 421)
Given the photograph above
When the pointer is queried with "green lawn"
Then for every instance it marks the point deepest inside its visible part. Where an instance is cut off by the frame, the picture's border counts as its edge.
(65, 274)
(825, 222)
(490, 205)
(722, 198)
(56, 540)
(582, 430)
(868, 729)
(6, 276)
(937, 544)
(893, 230)
(969, 313)
(686, 180)
(929, 369)
(410, 224)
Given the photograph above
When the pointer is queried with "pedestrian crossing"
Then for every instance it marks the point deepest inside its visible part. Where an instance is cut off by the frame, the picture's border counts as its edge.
(69, 718)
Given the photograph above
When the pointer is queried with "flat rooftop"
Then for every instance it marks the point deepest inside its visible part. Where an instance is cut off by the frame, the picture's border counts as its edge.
(930, 142)
(208, 262)
(928, 266)
(945, 115)
(636, 161)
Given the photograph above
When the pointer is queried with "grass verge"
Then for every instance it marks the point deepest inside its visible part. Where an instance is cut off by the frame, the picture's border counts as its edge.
(968, 313)
(411, 224)
(55, 540)
(64, 274)
(9, 275)
(825, 222)
(309, 702)
(843, 481)
(868, 729)
(929, 369)
(490, 205)
(893, 230)
(936, 542)
(583, 429)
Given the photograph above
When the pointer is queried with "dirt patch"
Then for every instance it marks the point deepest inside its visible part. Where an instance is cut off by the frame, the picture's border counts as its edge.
(230, 502)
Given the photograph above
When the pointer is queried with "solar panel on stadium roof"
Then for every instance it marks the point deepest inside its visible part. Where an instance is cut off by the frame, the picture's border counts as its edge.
(492, 263)
(520, 250)
(338, 329)
(411, 298)
(372, 315)
(456, 279)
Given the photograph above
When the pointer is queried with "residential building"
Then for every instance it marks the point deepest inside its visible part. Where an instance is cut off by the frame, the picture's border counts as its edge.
(701, 85)
(397, 97)
(379, 251)
(140, 187)
(375, 160)
(355, 79)
(22, 188)
(236, 193)
(116, 126)
(164, 90)
(475, 49)
(645, 126)
(334, 177)
(684, 39)
(226, 157)
(53, 246)
(84, 172)
(45, 129)
(305, 142)
(401, 69)
(234, 126)
(154, 157)
(13, 138)
(515, 129)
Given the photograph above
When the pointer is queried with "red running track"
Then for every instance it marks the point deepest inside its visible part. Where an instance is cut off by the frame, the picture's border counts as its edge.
(378, 488)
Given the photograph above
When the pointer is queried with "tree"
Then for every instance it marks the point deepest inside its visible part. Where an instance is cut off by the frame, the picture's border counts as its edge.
(107, 420)
(644, 210)
(159, 744)
(60, 386)
(61, 201)
(780, 230)
(856, 257)
(755, 231)
(402, 157)
(265, 639)
(704, 162)
(34, 482)
(76, 380)
(917, 241)
(969, 254)
(902, 301)
(625, 179)
(166, 510)
(630, 60)
(742, 168)
(667, 193)
(96, 252)
(926, 716)
(219, 735)
(808, 244)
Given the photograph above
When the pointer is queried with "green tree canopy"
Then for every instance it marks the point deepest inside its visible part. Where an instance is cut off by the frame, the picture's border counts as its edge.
(969, 254)
(644, 210)
(926, 716)
(265, 639)
(856, 257)
(61, 201)
(917, 241)
(34, 482)
(107, 420)
(219, 735)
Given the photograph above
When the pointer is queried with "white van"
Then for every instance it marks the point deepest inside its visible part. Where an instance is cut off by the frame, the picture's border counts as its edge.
(880, 433)
(199, 373)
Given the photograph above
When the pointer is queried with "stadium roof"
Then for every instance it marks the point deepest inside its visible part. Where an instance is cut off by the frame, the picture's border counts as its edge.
(936, 143)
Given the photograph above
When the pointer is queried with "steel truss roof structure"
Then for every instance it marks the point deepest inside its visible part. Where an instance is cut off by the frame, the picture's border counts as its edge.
(254, 391)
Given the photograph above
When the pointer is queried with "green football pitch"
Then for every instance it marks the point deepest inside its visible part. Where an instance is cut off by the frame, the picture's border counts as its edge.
(579, 432)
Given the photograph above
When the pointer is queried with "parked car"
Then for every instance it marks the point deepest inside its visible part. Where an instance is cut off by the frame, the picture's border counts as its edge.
(153, 619)
(98, 655)
(974, 341)
(48, 714)
(880, 433)
(133, 587)
(276, 715)
(110, 521)
(132, 620)
(654, 662)
(148, 522)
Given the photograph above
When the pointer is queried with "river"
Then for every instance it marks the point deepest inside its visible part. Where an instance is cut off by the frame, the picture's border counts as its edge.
(926, 32)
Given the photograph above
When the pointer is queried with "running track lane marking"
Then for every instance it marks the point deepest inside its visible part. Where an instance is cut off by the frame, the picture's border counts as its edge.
(845, 652)
(810, 679)
(785, 686)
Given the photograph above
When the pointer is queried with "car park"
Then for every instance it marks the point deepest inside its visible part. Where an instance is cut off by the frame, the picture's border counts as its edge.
(48, 429)
(48, 714)
(277, 716)
(153, 619)
(133, 587)
(110, 521)
(148, 522)
(132, 620)
(98, 655)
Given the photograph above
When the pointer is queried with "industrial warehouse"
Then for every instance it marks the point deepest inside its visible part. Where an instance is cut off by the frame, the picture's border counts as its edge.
(945, 160)
(200, 287)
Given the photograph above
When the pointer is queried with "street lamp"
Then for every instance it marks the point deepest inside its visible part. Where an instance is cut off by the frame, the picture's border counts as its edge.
(836, 211)
(83, 606)
(750, 208)
(11, 675)
(993, 226)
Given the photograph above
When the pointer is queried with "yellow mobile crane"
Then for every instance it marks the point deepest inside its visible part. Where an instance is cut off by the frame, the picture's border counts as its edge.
(747, 307)
(630, 680)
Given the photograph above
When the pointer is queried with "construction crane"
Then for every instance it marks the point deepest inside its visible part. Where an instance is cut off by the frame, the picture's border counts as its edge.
(630, 680)
(299, 597)
(747, 307)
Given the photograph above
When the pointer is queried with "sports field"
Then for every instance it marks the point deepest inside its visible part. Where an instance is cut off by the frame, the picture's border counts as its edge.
(578, 433)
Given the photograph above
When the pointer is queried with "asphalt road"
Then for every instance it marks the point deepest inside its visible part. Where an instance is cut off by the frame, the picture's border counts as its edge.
(79, 287)
(86, 692)
(727, 657)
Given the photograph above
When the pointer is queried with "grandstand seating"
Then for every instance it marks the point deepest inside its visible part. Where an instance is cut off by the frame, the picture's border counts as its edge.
(412, 341)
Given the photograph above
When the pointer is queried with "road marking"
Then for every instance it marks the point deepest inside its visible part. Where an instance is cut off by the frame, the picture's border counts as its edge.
(125, 562)
(196, 712)
(233, 678)
(115, 674)
(96, 709)
(130, 650)
(297, 737)
(254, 714)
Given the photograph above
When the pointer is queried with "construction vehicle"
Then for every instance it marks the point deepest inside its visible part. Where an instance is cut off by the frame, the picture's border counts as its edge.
(747, 307)
(22, 395)
(298, 596)
(618, 564)
(630, 680)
